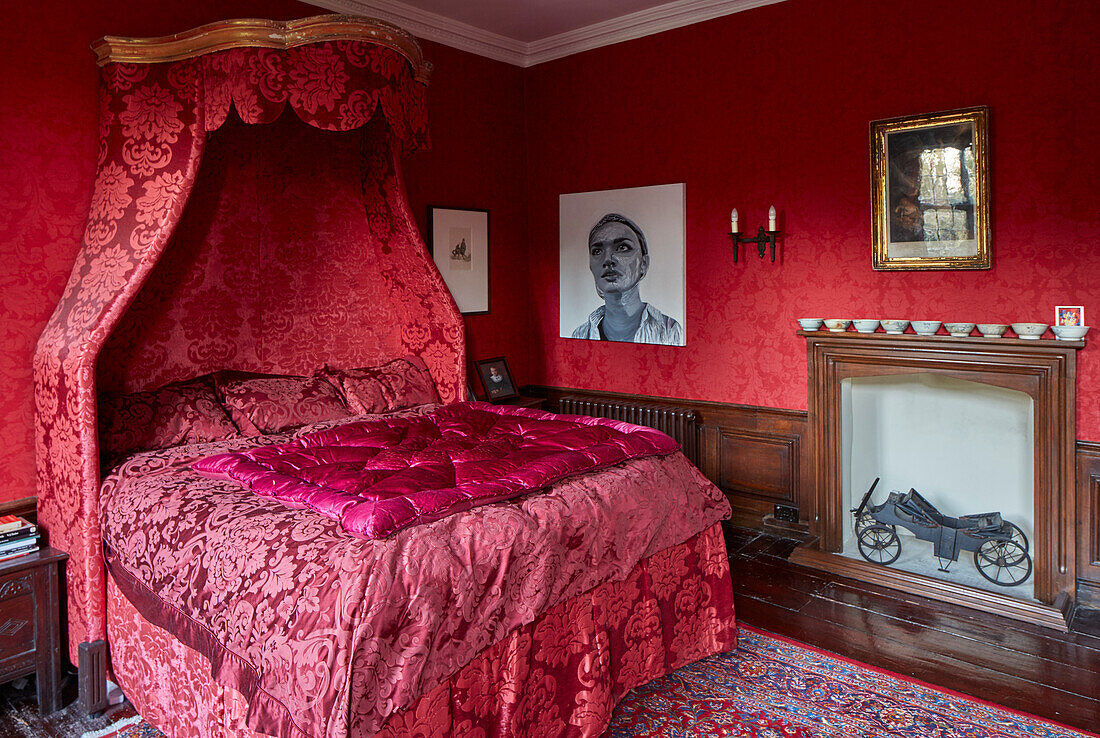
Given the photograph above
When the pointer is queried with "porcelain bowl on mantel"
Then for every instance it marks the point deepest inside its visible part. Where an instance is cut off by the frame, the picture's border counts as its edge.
(837, 325)
(959, 330)
(992, 330)
(1029, 331)
(895, 327)
(810, 324)
(865, 325)
(925, 327)
(1069, 332)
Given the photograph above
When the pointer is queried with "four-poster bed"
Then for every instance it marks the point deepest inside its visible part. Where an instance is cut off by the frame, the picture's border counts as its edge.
(290, 256)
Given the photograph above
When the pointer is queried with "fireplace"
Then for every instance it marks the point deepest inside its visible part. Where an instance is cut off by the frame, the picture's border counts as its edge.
(1036, 377)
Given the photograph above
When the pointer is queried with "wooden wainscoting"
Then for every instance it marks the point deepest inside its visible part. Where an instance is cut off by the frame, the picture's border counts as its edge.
(758, 456)
(1088, 524)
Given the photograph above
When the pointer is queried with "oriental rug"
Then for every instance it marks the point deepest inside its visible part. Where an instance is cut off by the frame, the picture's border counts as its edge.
(131, 727)
(771, 687)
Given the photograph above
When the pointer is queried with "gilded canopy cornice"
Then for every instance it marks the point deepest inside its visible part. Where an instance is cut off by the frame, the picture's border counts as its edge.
(256, 32)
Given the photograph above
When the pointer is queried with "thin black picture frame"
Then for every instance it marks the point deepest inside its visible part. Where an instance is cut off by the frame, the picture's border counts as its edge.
(471, 291)
(505, 389)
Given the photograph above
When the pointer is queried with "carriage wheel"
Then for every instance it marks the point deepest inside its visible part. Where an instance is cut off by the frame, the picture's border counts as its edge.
(1016, 535)
(864, 521)
(879, 544)
(1006, 563)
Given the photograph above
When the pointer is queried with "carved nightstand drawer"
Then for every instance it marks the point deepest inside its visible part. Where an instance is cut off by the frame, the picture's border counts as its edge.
(30, 641)
(16, 614)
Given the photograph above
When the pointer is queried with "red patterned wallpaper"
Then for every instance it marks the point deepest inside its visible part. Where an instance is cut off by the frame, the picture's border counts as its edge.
(741, 126)
(771, 106)
(475, 115)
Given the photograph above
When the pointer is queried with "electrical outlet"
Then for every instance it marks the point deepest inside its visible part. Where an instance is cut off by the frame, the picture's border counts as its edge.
(786, 513)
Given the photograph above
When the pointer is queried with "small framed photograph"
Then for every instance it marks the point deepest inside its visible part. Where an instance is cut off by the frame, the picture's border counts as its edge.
(1069, 315)
(459, 241)
(930, 191)
(496, 379)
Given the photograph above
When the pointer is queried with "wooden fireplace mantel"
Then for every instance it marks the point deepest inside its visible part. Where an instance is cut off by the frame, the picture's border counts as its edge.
(1043, 369)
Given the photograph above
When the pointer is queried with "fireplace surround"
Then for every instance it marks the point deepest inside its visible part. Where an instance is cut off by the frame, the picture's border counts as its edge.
(1044, 370)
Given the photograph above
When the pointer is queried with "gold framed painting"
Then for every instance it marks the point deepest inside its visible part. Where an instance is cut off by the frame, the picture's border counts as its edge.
(930, 191)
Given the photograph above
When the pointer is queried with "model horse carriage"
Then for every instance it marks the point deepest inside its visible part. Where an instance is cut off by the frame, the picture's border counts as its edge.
(1000, 548)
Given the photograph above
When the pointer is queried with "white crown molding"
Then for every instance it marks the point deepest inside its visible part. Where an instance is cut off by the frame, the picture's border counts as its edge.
(635, 25)
(449, 32)
(434, 27)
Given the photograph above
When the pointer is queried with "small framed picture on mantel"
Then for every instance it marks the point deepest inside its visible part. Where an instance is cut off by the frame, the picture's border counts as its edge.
(459, 241)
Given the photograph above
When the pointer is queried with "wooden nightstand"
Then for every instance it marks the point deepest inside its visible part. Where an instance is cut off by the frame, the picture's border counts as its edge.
(30, 628)
(538, 403)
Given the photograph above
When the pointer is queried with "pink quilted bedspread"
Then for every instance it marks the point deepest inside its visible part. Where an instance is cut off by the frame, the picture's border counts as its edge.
(327, 634)
(377, 477)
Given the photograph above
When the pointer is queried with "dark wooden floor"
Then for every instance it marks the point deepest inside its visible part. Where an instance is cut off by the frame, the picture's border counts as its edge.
(1024, 667)
(19, 716)
(1021, 666)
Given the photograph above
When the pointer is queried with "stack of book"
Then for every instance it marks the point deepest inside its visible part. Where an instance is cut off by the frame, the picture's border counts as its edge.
(18, 537)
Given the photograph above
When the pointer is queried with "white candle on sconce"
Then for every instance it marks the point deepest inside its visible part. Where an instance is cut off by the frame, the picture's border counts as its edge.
(771, 218)
(733, 221)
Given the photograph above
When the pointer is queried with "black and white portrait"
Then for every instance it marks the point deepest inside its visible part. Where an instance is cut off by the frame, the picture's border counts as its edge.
(622, 265)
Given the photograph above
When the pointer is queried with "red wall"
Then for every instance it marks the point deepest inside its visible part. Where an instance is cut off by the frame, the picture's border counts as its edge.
(771, 106)
(475, 108)
(765, 106)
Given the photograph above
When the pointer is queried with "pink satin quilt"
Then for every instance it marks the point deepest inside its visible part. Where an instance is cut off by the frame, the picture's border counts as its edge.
(327, 634)
(377, 477)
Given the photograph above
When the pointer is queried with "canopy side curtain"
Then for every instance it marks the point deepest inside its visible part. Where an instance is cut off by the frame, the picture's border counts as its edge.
(154, 120)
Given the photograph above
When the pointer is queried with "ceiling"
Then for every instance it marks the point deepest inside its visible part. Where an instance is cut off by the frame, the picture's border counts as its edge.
(527, 32)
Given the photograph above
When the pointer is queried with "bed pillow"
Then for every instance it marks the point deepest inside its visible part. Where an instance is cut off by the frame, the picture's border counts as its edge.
(272, 403)
(396, 385)
(173, 415)
(362, 389)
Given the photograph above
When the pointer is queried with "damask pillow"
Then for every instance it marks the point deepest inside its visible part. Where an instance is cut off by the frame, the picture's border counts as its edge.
(269, 404)
(396, 385)
(173, 415)
(362, 389)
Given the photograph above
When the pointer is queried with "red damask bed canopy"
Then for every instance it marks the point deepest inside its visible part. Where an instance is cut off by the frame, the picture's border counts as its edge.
(242, 289)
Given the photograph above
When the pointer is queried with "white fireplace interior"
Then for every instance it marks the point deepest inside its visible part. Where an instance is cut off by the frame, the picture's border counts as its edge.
(966, 447)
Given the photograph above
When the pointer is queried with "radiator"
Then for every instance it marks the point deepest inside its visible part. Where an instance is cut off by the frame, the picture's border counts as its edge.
(678, 422)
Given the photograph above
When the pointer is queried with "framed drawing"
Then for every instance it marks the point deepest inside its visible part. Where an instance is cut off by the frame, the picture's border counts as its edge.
(930, 191)
(496, 379)
(459, 242)
(622, 265)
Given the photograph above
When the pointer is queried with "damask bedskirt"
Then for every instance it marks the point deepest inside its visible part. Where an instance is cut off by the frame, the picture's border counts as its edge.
(558, 676)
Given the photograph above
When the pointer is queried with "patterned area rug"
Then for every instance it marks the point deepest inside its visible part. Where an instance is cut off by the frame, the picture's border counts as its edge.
(774, 688)
(131, 727)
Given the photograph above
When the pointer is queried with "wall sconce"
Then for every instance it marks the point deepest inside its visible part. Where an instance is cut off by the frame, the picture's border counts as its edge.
(763, 238)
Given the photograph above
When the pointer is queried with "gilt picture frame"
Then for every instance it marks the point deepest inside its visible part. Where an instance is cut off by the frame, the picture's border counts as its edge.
(458, 239)
(930, 191)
